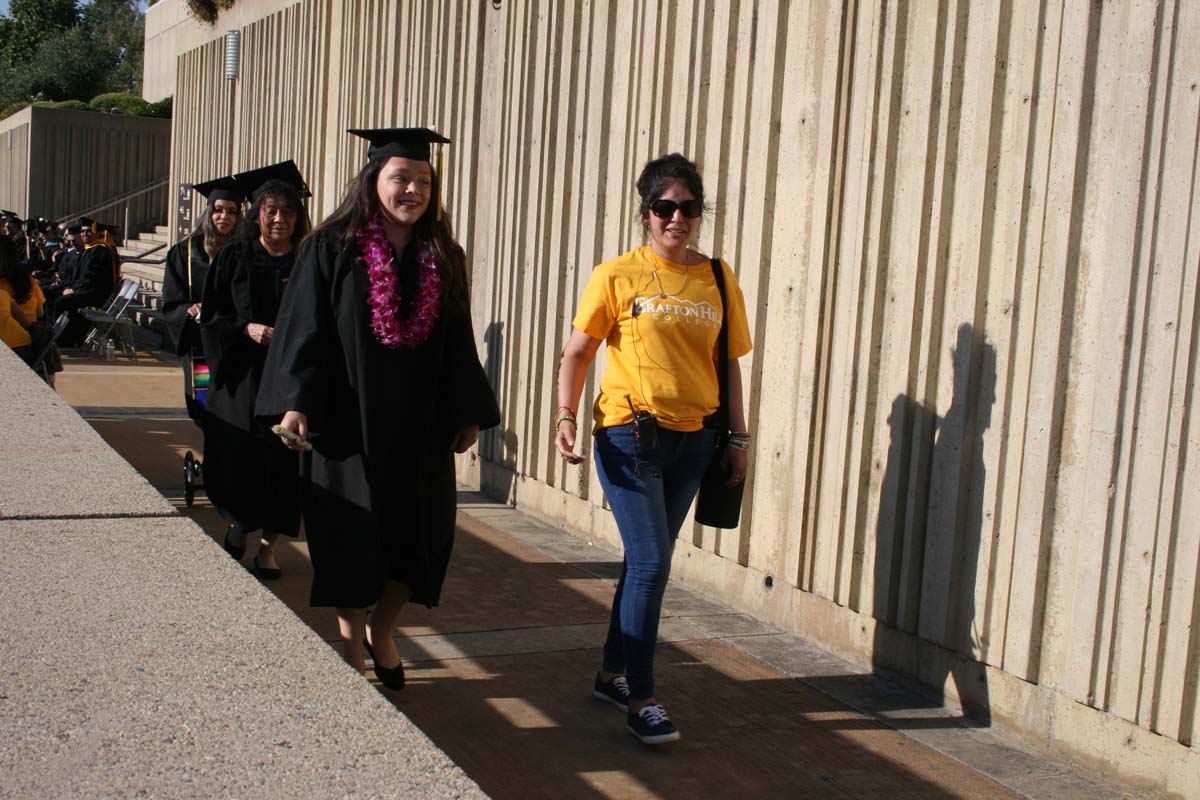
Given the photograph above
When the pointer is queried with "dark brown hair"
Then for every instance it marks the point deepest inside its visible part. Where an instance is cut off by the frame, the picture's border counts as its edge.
(13, 271)
(361, 203)
(283, 191)
(658, 175)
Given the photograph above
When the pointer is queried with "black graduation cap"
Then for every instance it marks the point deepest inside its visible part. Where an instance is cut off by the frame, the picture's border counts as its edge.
(403, 142)
(226, 188)
(75, 229)
(252, 180)
(87, 222)
(411, 143)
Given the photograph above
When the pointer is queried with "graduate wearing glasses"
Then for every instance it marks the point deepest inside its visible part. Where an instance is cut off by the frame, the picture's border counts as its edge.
(374, 368)
(248, 476)
(659, 310)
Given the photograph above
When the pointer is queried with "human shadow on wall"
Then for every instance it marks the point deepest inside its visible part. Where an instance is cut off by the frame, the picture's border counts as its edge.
(928, 536)
(497, 446)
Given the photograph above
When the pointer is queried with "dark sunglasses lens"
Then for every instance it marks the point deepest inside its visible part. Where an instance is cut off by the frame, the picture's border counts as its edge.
(665, 209)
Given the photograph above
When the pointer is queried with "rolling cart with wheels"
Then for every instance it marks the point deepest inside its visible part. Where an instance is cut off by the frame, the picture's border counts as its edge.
(196, 387)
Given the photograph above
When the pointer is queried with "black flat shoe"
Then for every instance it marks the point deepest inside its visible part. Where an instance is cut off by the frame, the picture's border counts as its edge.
(265, 573)
(391, 677)
(236, 552)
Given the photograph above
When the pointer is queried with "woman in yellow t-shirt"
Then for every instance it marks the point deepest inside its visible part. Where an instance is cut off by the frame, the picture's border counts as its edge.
(659, 310)
(21, 301)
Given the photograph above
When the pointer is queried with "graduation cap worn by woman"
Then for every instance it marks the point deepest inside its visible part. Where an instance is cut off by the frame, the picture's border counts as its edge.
(246, 472)
(374, 363)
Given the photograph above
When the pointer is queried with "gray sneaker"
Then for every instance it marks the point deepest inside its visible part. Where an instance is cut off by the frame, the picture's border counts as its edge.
(615, 691)
(652, 726)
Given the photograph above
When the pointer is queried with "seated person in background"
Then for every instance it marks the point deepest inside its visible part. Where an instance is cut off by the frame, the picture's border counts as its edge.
(21, 302)
(39, 234)
(90, 283)
(63, 263)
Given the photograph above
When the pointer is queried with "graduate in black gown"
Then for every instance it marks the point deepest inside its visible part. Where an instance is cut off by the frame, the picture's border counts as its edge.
(374, 363)
(63, 263)
(186, 269)
(247, 473)
(91, 282)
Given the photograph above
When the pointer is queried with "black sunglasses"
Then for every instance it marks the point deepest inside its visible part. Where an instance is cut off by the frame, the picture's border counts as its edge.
(665, 209)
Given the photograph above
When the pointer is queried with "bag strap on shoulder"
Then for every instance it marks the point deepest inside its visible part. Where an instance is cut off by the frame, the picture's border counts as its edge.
(722, 414)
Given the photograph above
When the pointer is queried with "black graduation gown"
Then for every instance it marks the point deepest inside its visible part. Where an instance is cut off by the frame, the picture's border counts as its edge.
(247, 471)
(92, 279)
(379, 489)
(180, 290)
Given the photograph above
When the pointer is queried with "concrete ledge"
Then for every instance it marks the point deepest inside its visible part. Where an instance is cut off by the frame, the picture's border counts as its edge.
(137, 659)
(55, 464)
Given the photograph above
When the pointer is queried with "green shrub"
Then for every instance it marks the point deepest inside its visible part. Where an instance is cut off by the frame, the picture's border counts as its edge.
(162, 108)
(122, 103)
(71, 105)
(207, 10)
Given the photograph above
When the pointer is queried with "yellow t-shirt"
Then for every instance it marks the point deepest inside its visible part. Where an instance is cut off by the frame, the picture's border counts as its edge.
(661, 322)
(11, 332)
(33, 304)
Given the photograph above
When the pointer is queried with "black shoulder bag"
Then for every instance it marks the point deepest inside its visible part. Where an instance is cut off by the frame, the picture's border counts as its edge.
(718, 505)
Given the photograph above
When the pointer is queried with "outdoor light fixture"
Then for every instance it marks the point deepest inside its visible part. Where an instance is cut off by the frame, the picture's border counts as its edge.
(233, 40)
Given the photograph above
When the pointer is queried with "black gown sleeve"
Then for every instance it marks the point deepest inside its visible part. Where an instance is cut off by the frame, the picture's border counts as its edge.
(466, 393)
(96, 271)
(222, 328)
(297, 373)
(183, 330)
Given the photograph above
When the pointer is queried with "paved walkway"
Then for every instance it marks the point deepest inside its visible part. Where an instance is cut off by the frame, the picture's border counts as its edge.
(500, 675)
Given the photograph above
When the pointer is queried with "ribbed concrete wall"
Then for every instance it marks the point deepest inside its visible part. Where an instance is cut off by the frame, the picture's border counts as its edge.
(64, 162)
(14, 163)
(965, 235)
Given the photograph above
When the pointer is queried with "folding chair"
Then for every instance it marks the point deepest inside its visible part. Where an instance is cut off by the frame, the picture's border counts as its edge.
(104, 321)
(39, 363)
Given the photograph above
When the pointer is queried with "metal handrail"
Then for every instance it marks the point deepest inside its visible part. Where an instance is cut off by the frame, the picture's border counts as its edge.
(141, 259)
(149, 187)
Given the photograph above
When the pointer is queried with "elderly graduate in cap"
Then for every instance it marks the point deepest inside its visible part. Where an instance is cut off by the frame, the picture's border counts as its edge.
(247, 474)
(374, 367)
(187, 268)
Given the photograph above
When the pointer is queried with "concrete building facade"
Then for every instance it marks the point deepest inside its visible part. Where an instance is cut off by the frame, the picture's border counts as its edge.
(965, 233)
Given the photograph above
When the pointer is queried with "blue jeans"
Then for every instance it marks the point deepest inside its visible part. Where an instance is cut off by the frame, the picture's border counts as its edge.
(649, 502)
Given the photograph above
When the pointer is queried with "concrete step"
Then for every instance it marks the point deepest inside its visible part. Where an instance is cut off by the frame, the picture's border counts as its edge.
(163, 230)
(156, 237)
(148, 276)
(138, 249)
(151, 321)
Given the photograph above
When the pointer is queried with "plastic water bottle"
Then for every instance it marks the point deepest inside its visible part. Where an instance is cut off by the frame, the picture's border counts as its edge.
(110, 351)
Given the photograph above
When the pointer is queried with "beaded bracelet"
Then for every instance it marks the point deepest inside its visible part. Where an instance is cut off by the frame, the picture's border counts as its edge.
(561, 418)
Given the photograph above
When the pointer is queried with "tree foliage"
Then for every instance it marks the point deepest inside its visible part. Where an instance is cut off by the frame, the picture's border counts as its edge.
(31, 22)
(207, 10)
(61, 50)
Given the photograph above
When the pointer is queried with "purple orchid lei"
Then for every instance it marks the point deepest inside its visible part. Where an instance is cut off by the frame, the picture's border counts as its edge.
(383, 295)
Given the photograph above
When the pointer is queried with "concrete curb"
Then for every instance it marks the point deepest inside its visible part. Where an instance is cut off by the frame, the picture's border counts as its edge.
(137, 659)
